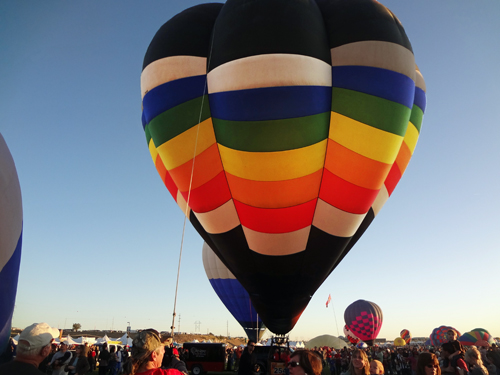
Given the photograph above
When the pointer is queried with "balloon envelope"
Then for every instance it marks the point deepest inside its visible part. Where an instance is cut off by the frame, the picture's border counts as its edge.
(364, 319)
(438, 335)
(398, 341)
(281, 137)
(11, 230)
(477, 337)
(232, 294)
(405, 335)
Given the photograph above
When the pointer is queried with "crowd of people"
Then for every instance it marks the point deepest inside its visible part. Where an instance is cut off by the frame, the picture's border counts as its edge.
(36, 353)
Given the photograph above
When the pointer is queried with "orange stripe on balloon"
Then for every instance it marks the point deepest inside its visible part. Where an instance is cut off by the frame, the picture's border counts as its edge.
(276, 220)
(165, 177)
(210, 195)
(403, 157)
(207, 165)
(355, 168)
(392, 179)
(346, 196)
(275, 194)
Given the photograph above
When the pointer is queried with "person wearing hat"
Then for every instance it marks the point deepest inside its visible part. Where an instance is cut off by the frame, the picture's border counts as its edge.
(34, 345)
(147, 355)
(61, 359)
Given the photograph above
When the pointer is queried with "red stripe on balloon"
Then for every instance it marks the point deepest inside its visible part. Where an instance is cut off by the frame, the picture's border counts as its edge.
(210, 195)
(345, 195)
(392, 179)
(166, 178)
(276, 220)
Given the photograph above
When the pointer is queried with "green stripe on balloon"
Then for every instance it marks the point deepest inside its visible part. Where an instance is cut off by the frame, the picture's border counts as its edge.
(272, 135)
(379, 113)
(417, 116)
(178, 119)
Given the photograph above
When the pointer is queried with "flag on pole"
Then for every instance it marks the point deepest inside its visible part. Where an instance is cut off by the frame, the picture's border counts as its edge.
(328, 300)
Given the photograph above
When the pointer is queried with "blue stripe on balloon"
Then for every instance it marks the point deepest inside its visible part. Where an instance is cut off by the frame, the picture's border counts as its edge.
(270, 103)
(236, 299)
(171, 94)
(420, 99)
(378, 82)
(8, 289)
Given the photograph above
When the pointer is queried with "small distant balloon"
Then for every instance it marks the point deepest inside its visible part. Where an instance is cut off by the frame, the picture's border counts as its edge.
(405, 335)
(399, 341)
(364, 319)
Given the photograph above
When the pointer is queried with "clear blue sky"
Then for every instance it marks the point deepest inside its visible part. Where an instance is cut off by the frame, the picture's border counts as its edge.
(102, 234)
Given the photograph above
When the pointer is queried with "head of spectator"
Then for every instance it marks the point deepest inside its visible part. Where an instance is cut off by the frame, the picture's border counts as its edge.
(359, 364)
(250, 346)
(146, 354)
(428, 364)
(305, 362)
(64, 346)
(473, 357)
(451, 335)
(35, 343)
(376, 367)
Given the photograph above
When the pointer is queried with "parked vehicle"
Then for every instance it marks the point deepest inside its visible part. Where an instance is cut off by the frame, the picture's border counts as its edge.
(203, 357)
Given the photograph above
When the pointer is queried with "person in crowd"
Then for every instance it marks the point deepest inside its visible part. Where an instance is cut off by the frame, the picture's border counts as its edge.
(176, 363)
(80, 364)
(33, 346)
(103, 358)
(61, 359)
(359, 364)
(376, 367)
(457, 349)
(493, 359)
(473, 357)
(428, 364)
(147, 355)
(113, 361)
(229, 355)
(450, 366)
(305, 362)
(248, 360)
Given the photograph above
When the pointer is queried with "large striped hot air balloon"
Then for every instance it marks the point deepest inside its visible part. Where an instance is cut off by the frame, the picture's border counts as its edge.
(281, 128)
(477, 337)
(11, 231)
(232, 294)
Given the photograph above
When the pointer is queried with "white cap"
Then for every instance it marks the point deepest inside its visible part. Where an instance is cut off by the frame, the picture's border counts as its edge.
(39, 335)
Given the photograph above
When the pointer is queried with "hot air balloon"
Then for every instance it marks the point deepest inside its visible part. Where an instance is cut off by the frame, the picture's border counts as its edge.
(477, 337)
(361, 345)
(438, 335)
(364, 319)
(405, 335)
(350, 336)
(399, 341)
(281, 134)
(232, 294)
(11, 231)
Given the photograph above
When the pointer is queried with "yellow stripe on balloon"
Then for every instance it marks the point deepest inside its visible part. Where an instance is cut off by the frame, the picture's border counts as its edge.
(152, 150)
(363, 139)
(180, 149)
(274, 166)
(411, 137)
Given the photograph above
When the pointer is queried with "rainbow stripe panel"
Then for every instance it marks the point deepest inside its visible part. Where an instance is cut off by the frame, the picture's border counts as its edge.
(232, 294)
(281, 128)
(11, 234)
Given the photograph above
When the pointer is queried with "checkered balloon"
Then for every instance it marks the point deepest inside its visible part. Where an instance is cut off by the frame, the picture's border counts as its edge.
(364, 320)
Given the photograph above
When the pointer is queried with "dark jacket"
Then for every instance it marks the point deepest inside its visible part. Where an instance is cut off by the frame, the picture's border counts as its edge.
(247, 363)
